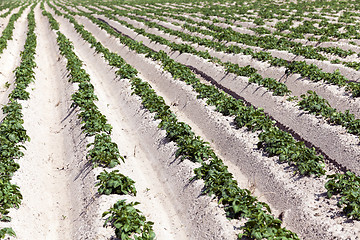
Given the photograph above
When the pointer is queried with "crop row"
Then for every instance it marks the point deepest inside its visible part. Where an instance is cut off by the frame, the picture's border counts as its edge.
(298, 32)
(215, 14)
(264, 41)
(12, 133)
(325, 29)
(269, 83)
(272, 140)
(217, 33)
(10, 6)
(266, 12)
(8, 31)
(102, 152)
(173, 68)
(320, 106)
(291, 46)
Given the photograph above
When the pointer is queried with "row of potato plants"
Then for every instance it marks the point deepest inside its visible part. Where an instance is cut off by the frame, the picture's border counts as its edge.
(205, 42)
(333, 50)
(311, 71)
(217, 15)
(233, 68)
(238, 203)
(271, 139)
(326, 28)
(317, 105)
(351, 64)
(261, 9)
(230, 35)
(11, 5)
(128, 221)
(12, 132)
(7, 33)
(250, 116)
(278, 89)
(281, 89)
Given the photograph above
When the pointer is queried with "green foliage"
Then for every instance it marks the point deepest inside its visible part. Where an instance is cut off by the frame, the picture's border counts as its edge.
(53, 23)
(336, 61)
(10, 197)
(7, 231)
(354, 88)
(253, 119)
(271, 84)
(259, 21)
(94, 121)
(261, 30)
(315, 104)
(115, 183)
(85, 96)
(319, 106)
(7, 33)
(265, 226)
(336, 51)
(274, 142)
(24, 74)
(354, 65)
(218, 181)
(128, 222)
(104, 152)
(279, 143)
(348, 187)
(267, 42)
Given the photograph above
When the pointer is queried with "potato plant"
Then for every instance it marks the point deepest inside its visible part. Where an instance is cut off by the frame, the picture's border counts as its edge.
(128, 222)
(115, 183)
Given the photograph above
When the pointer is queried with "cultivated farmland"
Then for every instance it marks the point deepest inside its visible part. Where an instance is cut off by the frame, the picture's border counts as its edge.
(179, 119)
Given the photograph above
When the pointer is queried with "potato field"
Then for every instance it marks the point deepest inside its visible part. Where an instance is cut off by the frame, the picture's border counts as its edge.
(183, 120)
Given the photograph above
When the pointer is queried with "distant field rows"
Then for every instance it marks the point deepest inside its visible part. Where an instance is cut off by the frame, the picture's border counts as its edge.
(231, 120)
